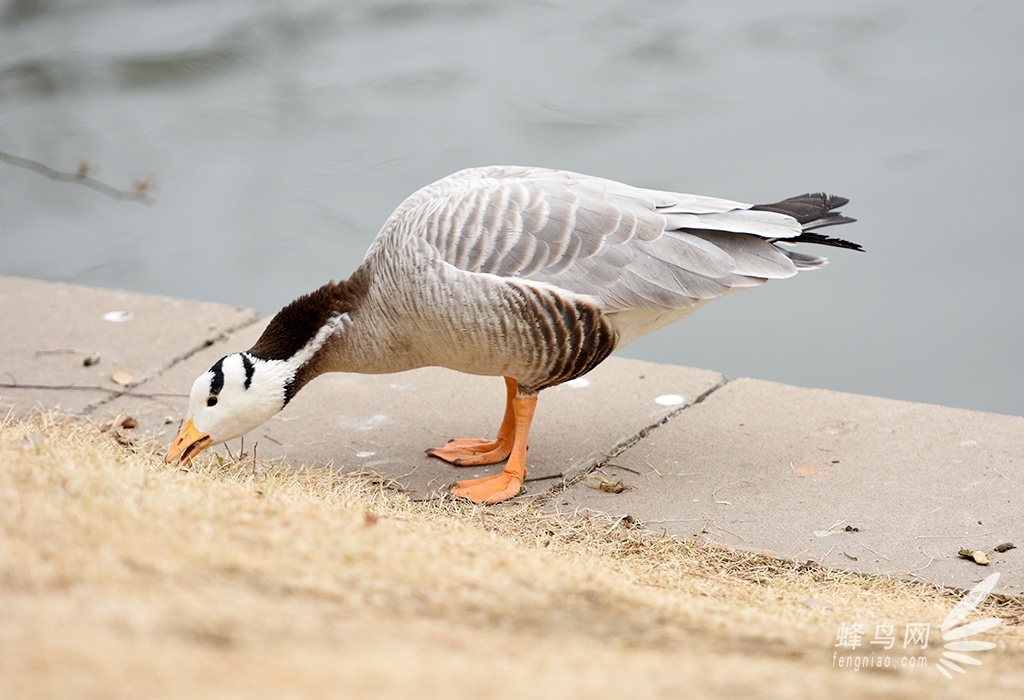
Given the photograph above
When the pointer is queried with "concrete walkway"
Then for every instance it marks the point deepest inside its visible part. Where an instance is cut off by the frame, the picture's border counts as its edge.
(851, 482)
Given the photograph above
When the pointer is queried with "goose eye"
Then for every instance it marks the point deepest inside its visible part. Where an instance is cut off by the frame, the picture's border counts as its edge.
(211, 400)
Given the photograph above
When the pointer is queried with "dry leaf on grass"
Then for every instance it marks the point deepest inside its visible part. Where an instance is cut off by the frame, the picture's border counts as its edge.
(976, 555)
(600, 483)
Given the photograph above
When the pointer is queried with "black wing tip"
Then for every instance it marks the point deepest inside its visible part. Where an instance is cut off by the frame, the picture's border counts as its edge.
(821, 239)
(822, 199)
(814, 210)
(806, 207)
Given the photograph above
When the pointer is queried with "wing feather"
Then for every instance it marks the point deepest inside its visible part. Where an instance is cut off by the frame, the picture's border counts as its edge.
(690, 252)
(624, 246)
(759, 223)
(755, 257)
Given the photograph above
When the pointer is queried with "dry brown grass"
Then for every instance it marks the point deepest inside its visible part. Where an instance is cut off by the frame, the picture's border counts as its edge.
(121, 576)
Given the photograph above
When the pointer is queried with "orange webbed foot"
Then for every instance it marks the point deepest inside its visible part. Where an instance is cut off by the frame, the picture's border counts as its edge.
(508, 484)
(473, 452)
(490, 489)
(510, 444)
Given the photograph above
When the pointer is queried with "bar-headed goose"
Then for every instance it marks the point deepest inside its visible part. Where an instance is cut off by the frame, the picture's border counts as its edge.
(532, 274)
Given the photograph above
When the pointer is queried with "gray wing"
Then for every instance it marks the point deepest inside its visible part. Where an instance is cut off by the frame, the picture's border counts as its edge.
(626, 246)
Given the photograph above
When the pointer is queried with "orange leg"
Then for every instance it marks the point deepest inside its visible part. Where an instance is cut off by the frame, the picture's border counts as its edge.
(472, 452)
(501, 487)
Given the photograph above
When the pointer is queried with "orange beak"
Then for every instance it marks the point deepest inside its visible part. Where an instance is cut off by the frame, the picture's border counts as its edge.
(188, 444)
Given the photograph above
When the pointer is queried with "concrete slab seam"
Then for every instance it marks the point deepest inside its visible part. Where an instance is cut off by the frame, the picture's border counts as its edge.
(209, 342)
(625, 444)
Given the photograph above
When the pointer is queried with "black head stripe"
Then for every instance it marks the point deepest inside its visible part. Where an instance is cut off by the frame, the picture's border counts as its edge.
(217, 383)
(249, 369)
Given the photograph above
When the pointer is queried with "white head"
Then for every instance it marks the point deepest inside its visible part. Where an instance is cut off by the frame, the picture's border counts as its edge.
(239, 393)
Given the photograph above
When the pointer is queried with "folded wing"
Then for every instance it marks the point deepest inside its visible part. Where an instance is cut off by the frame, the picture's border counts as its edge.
(628, 247)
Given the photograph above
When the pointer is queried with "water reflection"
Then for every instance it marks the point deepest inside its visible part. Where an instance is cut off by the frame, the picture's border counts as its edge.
(282, 135)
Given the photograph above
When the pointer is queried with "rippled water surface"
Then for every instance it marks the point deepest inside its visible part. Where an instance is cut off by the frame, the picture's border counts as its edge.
(281, 135)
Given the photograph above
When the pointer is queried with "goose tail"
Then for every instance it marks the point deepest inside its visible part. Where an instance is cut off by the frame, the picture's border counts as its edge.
(814, 211)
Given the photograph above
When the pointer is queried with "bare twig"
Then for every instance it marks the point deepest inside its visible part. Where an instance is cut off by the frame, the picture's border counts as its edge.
(619, 466)
(953, 537)
(542, 478)
(714, 494)
(140, 191)
(877, 554)
(56, 351)
(127, 391)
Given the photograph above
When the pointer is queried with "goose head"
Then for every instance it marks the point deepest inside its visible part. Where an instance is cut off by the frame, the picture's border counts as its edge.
(238, 393)
(245, 389)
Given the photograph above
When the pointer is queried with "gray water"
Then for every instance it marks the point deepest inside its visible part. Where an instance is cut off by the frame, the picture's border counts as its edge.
(280, 135)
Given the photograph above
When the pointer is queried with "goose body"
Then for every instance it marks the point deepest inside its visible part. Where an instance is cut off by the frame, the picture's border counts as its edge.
(532, 274)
